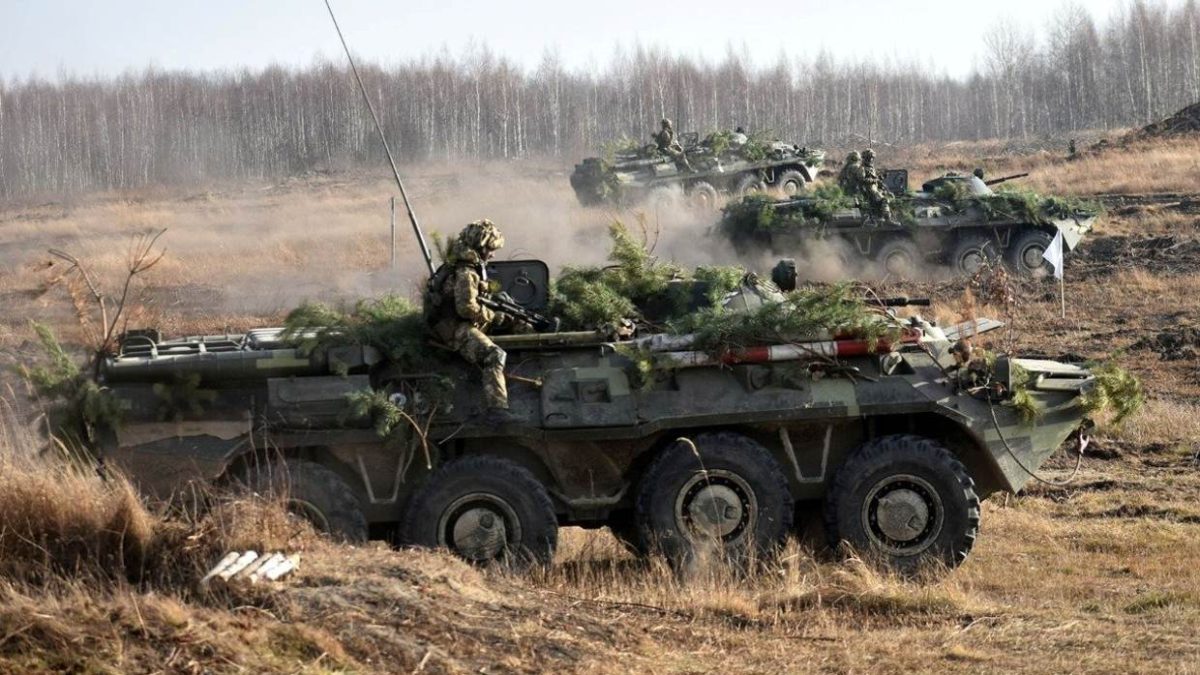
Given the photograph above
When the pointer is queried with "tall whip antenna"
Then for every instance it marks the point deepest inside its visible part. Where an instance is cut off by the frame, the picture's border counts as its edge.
(386, 148)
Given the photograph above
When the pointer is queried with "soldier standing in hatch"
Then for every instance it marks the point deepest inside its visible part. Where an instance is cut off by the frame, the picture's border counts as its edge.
(665, 140)
(873, 188)
(458, 318)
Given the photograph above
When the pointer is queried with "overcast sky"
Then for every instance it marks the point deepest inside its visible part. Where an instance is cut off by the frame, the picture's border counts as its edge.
(90, 37)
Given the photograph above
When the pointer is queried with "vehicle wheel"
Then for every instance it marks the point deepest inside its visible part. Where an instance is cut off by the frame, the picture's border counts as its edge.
(1025, 254)
(749, 184)
(972, 252)
(623, 526)
(899, 257)
(727, 495)
(485, 510)
(905, 499)
(313, 492)
(791, 183)
(702, 196)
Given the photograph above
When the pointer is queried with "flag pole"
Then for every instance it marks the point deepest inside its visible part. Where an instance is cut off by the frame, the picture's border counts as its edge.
(1062, 293)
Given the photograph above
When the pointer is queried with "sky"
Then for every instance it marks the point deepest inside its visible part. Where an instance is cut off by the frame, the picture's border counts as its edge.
(51, 38)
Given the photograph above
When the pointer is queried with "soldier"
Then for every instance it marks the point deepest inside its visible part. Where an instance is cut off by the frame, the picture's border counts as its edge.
(850, 178)
(874, 189)
(458, 318)
(665, 140)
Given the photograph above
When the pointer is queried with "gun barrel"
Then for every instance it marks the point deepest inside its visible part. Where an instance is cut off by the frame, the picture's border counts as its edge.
(901, 302)
(997, 181)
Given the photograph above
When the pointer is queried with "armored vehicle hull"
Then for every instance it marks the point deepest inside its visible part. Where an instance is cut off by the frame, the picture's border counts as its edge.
(711, 171)
(715, 449)
(955, 221)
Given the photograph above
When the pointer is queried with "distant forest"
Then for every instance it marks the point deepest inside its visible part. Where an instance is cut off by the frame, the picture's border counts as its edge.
(158, 127)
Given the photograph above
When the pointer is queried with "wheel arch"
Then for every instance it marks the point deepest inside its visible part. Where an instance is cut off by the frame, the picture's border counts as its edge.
(959, 440)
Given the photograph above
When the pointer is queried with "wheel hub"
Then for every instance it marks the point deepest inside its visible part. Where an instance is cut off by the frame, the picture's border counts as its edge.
(1033, 257)
(715, 510)
(716, 505)
(972, 261)
(479, 527)
(903, 514)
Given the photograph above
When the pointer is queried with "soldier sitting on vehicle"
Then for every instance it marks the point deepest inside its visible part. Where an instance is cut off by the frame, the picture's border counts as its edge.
(873, 189)
(457, 317)
(665, 140)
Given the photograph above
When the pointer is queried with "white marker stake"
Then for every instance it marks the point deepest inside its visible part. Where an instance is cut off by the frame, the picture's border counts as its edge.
(1054, 256)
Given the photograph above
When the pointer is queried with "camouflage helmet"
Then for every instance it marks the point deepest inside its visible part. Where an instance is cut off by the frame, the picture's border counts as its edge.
(481, 236)
(978, 172)
(666, 123)
(868, 155)
(853, 157)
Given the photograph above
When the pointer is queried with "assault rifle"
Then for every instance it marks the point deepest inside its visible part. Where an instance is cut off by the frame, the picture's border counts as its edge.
(503, 302)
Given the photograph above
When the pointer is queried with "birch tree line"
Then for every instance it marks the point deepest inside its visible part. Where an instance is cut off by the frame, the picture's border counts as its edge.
(158, 127)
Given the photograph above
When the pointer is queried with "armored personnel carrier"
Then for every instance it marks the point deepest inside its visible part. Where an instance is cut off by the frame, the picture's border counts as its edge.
(678, 446)
(717, 167)
(954, 220)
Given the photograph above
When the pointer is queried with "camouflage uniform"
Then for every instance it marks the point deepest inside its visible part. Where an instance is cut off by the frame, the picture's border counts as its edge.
(851, 177)
(665, 140)
(457, 317)
(873, 188)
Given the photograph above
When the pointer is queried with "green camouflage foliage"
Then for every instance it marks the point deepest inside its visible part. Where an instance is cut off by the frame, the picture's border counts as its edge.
(806, 313)
(389, 323)
(589, 297)
(375, 405)
(1117, 391)
(75, 400)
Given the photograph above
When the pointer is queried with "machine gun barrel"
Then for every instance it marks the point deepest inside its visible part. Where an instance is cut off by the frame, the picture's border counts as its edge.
(540, 323)
(900, 301)
(997, 181)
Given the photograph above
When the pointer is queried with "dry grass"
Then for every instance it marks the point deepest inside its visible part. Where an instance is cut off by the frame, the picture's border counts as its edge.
(1100, 577)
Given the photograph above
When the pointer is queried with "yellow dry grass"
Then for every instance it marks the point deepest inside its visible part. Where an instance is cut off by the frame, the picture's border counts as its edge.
(1099, 577)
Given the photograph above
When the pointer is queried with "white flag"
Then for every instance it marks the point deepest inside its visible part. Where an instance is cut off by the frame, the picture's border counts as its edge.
(1054, 255)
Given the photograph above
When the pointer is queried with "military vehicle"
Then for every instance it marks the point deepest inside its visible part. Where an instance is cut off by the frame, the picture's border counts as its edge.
(707, 451)
(954, 220)
(717, 167)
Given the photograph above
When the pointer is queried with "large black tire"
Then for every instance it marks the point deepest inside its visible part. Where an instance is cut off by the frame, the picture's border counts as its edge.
(906, 501)
(973, 251)
(791, 183)
(749, 184)
(702, 196)
(485, 510)
(729, 481)
(1024, 254)
(899, 257)
(313, 492)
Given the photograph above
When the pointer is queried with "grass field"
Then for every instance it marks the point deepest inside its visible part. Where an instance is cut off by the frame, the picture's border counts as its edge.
(1097, 577)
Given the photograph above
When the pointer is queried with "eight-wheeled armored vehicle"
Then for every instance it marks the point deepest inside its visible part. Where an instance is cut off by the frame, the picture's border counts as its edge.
(954, 220)
(706, 450)
(716, 167)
